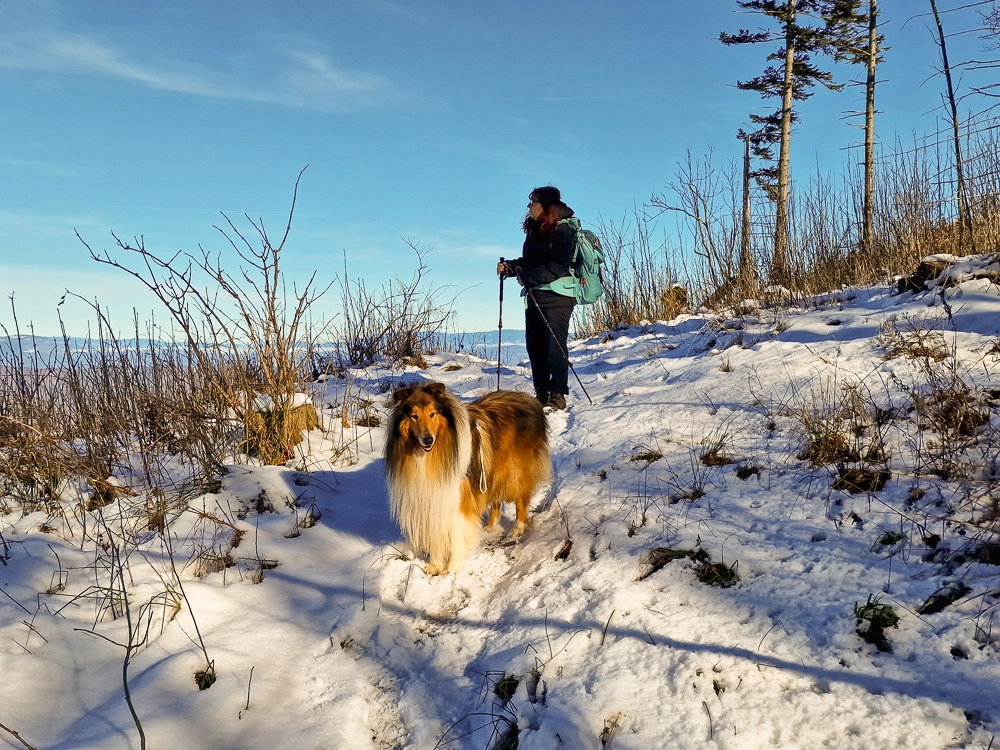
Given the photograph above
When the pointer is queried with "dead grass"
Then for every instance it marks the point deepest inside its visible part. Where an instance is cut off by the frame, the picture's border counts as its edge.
(856, 481)
(912, 339)
(273, 435)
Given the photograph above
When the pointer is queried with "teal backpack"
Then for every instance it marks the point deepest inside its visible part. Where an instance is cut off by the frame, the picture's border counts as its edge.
(585, 282)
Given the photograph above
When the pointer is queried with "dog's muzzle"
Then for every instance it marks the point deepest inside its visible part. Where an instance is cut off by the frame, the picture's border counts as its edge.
(427, 443)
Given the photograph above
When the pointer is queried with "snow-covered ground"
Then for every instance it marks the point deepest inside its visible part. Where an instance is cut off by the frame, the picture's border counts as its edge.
(326, 633)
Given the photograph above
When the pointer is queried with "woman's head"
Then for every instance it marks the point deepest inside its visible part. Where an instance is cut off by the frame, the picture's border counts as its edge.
(544, 204)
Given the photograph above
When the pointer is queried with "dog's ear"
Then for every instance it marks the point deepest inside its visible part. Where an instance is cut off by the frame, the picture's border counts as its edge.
(401, 394)
(436, 388)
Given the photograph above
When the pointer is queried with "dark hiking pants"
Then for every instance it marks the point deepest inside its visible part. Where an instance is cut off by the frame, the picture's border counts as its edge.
(547, 348)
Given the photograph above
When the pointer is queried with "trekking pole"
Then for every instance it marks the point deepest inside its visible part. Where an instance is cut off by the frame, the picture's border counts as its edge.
(561, 347)
(500, 326)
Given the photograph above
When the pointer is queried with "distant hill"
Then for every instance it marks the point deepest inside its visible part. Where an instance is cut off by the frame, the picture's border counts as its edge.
(484, 344)
(480, 343)
(43, 346)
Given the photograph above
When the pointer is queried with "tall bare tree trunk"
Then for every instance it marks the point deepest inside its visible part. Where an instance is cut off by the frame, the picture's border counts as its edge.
(868, 231)
(780, 265)
(745, 268)
(964, 215)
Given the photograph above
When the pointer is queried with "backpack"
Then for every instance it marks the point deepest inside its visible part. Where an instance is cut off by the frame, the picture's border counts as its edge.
(585, 268)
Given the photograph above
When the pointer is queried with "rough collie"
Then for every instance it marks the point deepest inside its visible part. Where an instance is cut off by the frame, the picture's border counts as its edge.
(447, 463)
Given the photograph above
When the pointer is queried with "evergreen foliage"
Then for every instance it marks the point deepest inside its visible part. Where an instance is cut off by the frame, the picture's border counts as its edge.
(805, 40)
(857, 42)
(803, 31)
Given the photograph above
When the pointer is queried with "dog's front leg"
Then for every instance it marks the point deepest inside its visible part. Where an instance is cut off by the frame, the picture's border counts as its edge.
(438, 555)
(466, 529)
(432, 570)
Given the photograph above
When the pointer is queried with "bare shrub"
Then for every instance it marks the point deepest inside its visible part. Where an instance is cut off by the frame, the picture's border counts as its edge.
(857, 481)
(401, 322)
(640, 283)
(951, 412)
(253, 338)
(707, 200)
(915, 215)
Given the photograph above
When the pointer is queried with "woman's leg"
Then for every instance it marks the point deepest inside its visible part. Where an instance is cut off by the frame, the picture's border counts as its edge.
(536, 342)
(558, 362)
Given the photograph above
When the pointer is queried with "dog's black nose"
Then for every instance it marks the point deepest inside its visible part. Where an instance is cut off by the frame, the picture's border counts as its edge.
(427, 442)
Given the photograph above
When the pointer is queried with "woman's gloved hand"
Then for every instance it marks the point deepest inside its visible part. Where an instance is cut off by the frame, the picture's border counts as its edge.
(506, 270)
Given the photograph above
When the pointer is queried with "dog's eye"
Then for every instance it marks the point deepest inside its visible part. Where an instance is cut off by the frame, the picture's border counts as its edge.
(432, 415)
(414, 417)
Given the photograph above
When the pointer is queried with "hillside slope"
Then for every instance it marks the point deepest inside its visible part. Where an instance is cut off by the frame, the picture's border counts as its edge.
(725, 440)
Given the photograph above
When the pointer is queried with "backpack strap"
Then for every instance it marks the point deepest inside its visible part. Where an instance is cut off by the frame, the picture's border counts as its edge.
(574, 224)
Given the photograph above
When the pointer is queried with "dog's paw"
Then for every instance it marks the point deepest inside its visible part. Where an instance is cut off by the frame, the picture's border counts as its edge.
(518, 531)
(493, 528)
(432, 570)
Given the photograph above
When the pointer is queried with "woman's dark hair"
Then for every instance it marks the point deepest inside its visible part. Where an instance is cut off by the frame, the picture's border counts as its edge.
(551, 200)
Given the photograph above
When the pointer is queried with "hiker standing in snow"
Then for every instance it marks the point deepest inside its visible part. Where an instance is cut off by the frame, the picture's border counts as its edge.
(546, 258)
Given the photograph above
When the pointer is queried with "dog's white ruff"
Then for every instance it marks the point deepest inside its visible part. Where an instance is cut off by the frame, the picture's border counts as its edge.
(428, 508)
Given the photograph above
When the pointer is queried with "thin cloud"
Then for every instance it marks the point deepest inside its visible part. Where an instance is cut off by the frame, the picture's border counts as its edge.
(601, 96)
(398, 9)
(38, 166)
(302, 79)
(29, 223)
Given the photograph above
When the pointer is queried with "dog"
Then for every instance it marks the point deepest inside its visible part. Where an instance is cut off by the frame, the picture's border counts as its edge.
(447, 463)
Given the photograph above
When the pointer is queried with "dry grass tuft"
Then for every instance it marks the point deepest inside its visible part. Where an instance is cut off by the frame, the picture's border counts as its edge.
(912, 339)
(857, 481)
(273, 435)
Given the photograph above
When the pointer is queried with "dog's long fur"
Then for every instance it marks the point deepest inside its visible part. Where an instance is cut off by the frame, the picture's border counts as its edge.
(446, 464)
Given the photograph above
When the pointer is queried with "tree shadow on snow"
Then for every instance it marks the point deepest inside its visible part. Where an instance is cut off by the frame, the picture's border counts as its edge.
(960, 692)
(355, 502)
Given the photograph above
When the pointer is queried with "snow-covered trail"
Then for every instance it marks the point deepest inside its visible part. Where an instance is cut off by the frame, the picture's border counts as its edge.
(353, 646)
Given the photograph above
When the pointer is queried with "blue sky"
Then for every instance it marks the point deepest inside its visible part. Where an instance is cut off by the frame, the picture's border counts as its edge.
(430, 120)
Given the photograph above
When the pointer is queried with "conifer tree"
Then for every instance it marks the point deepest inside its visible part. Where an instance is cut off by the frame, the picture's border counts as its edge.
(791, 81)
(857, 41)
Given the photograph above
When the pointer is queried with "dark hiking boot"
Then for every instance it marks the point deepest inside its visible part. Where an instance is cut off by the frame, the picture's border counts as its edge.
(556, 402)
(543, 397)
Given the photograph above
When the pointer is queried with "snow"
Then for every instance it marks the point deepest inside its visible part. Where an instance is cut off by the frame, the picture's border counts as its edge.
(351, 645)
(265, 404)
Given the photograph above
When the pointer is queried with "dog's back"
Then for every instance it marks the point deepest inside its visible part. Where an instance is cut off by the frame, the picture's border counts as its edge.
(510, 454)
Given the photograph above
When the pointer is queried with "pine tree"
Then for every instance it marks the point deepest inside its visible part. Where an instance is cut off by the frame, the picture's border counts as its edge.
(857, 41)
(791, 80)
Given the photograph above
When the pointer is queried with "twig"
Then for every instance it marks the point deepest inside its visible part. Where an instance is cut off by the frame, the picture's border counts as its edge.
(180, 585)
(18, 737)
(651, 641)
(776, 624)
(565, 520)
(545, 624)
(15, 601)
(606, 626)
(249, 683)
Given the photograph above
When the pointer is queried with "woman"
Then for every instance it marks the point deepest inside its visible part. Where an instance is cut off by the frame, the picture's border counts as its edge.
(546, 257)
